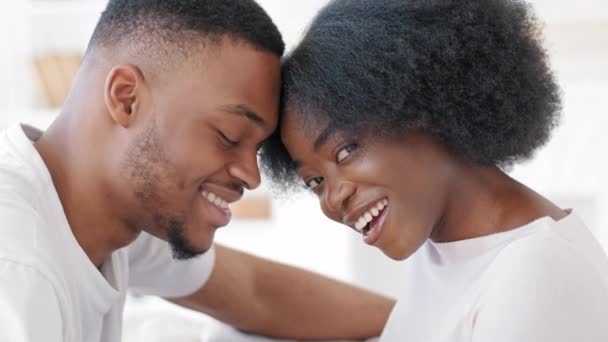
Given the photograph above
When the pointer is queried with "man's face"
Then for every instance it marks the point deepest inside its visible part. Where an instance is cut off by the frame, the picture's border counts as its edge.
(195, 149)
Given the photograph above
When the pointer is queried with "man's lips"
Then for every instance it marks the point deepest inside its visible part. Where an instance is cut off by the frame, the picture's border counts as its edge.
(219, 208)
(225, 193)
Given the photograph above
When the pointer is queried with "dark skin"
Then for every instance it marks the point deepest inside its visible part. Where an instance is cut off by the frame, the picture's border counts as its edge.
(136, 146)
(147, 147)
(431, 192)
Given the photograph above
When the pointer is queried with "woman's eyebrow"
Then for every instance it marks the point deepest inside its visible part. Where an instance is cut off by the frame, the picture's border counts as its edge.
(325, 135)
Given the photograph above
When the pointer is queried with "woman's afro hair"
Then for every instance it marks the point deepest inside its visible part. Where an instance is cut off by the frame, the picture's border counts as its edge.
(472, 72)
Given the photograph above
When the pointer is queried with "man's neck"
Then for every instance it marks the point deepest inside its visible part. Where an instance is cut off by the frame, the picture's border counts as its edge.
(66, 151)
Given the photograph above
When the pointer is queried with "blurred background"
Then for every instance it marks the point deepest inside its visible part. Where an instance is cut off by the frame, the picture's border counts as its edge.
(43, 40)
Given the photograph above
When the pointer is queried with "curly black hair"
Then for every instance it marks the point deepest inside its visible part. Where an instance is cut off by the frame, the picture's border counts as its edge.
(173, 21)
(472, 72)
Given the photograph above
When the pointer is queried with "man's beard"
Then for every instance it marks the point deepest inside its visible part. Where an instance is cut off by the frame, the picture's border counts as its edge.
(180, 247)
(149, 168)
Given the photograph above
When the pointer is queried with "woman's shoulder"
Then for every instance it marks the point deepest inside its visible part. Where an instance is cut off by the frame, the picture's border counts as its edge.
(551, 284)
(561, 259)
(555, 246)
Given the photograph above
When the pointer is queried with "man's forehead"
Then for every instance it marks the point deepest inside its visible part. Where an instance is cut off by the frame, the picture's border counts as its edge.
(267, 123)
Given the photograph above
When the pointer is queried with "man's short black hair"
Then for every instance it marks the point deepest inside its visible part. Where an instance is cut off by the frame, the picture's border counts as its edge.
(472, 72)
(132, 22)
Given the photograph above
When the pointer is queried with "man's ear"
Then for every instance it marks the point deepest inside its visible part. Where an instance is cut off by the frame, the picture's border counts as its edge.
(123, 92)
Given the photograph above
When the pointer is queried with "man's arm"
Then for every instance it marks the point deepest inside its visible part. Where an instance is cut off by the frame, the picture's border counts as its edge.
(268, 298)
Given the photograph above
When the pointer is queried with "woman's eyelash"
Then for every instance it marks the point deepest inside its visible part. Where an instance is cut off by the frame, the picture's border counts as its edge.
(341, 155)
(313, 183)
(345, 152)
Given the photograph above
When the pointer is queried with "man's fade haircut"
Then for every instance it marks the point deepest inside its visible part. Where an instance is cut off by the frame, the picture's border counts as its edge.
(473, 73)
(142, 24)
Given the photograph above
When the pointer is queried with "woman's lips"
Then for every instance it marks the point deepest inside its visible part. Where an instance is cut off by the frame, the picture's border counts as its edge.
(372, 212)
(371, 233)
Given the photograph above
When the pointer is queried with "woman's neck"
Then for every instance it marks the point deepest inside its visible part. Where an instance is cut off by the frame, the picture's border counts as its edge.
(485, 201)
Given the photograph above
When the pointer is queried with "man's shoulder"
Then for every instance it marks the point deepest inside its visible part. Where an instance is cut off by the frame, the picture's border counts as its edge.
(17, 186)
(9, 155)
(24, 253)
(22, 232)
(22, 222)
(27, 252)
(19, 195)
(21, 185)
(19, 179)
(30, 298)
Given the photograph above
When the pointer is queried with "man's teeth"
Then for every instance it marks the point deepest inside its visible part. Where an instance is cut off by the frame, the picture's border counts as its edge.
(215, 200)
(369, 215)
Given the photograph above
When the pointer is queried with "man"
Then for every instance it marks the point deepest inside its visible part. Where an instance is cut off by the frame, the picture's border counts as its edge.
(157, 137)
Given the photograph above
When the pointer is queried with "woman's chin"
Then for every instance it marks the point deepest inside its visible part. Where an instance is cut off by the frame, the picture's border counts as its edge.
(399, 252)
(396, 255)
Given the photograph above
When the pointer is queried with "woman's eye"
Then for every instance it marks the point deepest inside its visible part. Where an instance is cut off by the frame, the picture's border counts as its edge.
(227, 141)
(314, 182)
(344, 152)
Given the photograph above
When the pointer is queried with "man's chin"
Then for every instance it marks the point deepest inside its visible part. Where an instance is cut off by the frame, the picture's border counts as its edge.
(181, 252)
(184, 248)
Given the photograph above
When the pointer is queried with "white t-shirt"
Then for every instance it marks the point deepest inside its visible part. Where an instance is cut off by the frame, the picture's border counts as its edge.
(544, 282)
(49, 289)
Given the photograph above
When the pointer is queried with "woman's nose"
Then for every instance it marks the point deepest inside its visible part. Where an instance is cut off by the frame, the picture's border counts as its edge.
(336, 198)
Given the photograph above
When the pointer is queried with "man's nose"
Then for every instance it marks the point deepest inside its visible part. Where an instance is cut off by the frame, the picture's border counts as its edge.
(246, 170)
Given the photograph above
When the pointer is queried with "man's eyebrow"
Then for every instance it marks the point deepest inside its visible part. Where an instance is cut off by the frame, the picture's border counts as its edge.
(246, 112)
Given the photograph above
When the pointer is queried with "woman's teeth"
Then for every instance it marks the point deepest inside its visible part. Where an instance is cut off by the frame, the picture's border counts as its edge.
(369, 215)
(215, 200)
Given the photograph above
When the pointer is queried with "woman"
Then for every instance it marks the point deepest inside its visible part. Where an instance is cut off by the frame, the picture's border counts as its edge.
(401, 117)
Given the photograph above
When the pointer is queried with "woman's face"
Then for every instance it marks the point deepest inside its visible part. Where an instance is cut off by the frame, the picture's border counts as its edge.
(392, 192)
